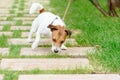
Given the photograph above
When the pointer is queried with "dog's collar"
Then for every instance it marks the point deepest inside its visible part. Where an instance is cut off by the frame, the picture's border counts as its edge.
(42, 10)
(54, 20)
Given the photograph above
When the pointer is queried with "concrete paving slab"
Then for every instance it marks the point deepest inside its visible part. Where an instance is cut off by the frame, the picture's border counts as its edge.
(1, 27)
(4, 12)
(44, 63)
(23, 41)
(71, 51)
(70, 77)
(1, 77)
(4, 51)
(6, 15)
(3, 18)
(24, 18)
(6, 33)
(20, 28)
(4, 3)
(7, 22)
(27, 22)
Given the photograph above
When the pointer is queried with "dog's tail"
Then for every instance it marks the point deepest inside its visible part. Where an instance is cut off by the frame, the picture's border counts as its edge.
(36, 7)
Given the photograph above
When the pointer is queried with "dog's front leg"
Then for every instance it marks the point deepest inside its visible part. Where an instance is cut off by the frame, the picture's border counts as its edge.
(63, 47)
(37, 39)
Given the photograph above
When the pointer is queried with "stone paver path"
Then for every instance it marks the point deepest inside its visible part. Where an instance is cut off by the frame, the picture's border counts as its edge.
(17, 55)
(44, 64)
(71, 77)
(71, 51)
(4, 51)
(1, 77)
(6, 33)
(1, 27)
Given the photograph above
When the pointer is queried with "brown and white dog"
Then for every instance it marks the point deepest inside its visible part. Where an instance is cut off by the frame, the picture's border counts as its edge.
(50, 24)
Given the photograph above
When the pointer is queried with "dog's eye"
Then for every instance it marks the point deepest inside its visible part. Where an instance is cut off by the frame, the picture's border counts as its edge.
(54, 40)
(62, 42)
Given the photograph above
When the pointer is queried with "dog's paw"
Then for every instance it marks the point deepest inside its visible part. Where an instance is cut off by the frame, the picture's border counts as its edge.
(63, 47)
(34, 45)
(29, 41)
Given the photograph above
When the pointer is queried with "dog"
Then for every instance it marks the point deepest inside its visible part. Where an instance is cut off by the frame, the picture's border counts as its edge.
(50, 24)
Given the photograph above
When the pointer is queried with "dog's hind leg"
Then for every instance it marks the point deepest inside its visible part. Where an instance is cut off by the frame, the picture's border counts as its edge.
(33, 29)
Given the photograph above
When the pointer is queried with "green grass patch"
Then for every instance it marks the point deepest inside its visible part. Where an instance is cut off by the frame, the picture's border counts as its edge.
(3, 41)
(21, 8)
(12, 11)
(6, 27)
(14, 6)
(14, 50)
(96, 30)
(9, 18)
(16, 1)
(20, 15)
(19, 22)
(16, 34)
(11, 76)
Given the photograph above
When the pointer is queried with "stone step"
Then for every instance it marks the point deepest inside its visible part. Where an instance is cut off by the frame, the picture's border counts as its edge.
(25, 34)
(1, 77)
(71, 51)
(6, 33)
(20, 28)
(25, 15)
(4, 51)
(22, 41)
(3, 18)
(27, 22)
(4, 12)
(70, 77)
(44, 64)
(1, 27)
(6, 15)
(31, 15)
(7, 22)
(24, 18)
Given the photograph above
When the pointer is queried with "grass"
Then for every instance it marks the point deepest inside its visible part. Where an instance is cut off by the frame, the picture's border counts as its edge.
(6, 27)
(96, 30)
(12, 11)
(19, 22)
(3, 41)
(14, 50)
(16, 34)
(11, 76)
(20, 15)
(9, 18)
(14, 6)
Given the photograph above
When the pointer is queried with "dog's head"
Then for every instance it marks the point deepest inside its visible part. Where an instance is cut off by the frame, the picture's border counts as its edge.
(59, 34)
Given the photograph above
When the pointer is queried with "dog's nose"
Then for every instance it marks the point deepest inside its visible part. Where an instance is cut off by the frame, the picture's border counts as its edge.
(56, 51)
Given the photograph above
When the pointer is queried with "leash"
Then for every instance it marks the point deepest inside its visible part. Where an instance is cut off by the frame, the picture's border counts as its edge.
(67, 8)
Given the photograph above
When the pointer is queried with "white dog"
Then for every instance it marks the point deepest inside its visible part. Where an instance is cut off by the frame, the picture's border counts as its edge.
(50, 24)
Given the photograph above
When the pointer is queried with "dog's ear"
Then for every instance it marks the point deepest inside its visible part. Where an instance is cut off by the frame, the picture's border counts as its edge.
(52, 27)
(69, 33)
